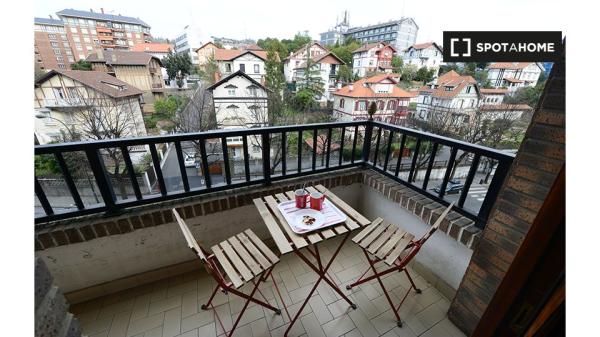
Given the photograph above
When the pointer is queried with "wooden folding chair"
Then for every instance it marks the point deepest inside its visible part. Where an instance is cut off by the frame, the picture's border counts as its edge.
(234, 262)
(396, 247)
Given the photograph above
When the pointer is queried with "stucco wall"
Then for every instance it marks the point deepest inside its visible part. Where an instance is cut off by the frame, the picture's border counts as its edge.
(442, 255)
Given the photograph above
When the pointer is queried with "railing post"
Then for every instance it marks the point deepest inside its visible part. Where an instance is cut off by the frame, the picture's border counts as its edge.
(102, 179)
(492, 192)
(367, 141)
(266, 157)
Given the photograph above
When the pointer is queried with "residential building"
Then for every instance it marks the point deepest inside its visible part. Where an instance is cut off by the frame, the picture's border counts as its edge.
(450, 93)
(88, 31)
(493, 96)
(514, 75)
(205, 52)
(327, 67)
(509, 111)
(51, 45)
(336, 34)
(189, 40)
(352, 101)
(400, 34)
(229, 43)
(372, 57)
(252, 62)
(62, 96)
(158, 50)
(323, 61)
(428, 55)
(240, 101)
(139, 69)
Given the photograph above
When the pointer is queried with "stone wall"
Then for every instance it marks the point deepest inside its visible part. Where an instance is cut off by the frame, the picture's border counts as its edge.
(52, 318)
(536, 166)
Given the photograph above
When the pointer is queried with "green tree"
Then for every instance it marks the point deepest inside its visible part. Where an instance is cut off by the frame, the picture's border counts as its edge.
(303, 100)
(81, 65)
(527, 95)
(275, 83)
(208, 70)
(345, 74)
(409, 72)
(178, 66)
(425, 75)
(372, 109)
(311, 80)
(344, 51)
(397, 64)
(168, 106)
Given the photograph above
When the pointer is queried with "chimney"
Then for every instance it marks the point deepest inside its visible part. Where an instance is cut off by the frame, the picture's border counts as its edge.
(100, 54)
(102, 10)
(351, 87)
(91, 10)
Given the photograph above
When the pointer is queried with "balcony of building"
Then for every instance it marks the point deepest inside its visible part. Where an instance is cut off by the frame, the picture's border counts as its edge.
(112, 246)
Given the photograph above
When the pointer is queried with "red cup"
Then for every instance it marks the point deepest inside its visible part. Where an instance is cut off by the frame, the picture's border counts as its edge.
(301, 198)
(316, 201)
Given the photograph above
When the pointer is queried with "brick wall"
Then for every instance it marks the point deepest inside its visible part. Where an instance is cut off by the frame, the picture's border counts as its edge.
(535, 168)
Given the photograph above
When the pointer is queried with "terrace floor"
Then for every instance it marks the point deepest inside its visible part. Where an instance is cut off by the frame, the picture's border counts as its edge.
(171, 307)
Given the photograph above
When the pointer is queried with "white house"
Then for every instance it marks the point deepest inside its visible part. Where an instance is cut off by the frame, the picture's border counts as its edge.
(372, 57)
(251, 62)
(450, 93)
(294, 60)
(514, 75)
(428, 55)
(351, 102)
(240, 101)
(64, 97)
(493, 96)
(327, 66)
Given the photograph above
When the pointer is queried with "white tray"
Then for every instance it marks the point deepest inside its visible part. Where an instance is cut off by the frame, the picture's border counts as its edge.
(331, 215)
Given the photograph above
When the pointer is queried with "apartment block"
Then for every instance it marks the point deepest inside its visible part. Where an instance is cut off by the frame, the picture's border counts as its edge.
(88, 31)
(52, 48)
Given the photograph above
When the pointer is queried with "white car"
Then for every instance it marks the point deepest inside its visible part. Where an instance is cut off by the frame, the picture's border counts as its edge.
(189, 161)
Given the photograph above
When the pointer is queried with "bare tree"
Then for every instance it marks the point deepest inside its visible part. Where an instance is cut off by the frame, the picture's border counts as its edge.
(99, 117)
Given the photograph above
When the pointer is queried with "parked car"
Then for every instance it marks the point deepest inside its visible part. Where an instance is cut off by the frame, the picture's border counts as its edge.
(453, 186)
(189, 161)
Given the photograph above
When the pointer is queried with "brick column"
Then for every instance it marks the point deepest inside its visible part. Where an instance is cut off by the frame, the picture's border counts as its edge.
(536, 166)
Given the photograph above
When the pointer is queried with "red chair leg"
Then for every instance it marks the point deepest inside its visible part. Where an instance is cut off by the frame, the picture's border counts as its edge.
(205, 306)
(417, 290)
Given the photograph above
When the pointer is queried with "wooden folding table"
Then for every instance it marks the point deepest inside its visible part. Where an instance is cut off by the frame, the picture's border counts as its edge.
(288, 241)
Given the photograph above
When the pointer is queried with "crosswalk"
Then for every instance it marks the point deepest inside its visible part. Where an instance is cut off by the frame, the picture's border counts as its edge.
(478, 192)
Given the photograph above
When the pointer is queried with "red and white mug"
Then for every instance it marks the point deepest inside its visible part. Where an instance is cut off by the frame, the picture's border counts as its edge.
(316, 200)
(301, 198)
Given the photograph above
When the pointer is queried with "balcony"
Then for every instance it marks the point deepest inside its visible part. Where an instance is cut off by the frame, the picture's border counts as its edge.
(154, 286)
(60, 103)
(152, 70)
(157, 86)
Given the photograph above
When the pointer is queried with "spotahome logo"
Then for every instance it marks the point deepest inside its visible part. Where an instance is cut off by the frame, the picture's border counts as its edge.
(502, 46)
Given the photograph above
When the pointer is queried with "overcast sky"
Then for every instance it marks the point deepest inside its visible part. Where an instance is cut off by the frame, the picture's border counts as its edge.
(262, 18)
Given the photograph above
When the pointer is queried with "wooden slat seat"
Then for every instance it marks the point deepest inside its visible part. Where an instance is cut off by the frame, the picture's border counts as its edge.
(245, 255)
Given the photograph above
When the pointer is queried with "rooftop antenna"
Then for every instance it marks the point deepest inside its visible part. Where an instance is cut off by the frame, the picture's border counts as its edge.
(403, 6)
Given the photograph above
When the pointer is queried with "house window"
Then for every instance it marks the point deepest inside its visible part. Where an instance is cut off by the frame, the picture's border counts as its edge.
(231, 92)
(466, 119)
(361, 105)
(469, 89)
(391, 105)
(380, 105)
(252, 90)
(228, 67)
(243, 67)
(342, 103)
(256, 69)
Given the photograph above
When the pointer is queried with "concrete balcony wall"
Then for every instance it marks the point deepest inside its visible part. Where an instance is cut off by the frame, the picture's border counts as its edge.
(98, 256)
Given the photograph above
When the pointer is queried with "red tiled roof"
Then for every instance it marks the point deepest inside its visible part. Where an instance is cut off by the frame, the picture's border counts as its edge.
(513, 80)
(153, 47)
(322, 144)
(362, 88)
(508, 65)
(493, 91)
(451, 78)
(368, 47)
(230, 54)
(97, 80)
(505, 107)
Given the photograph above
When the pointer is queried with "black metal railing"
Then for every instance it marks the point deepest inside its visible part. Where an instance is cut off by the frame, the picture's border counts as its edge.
(318, 148)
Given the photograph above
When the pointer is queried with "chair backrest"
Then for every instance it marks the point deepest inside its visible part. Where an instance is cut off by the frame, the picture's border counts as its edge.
(437, 224)
(192, 243)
